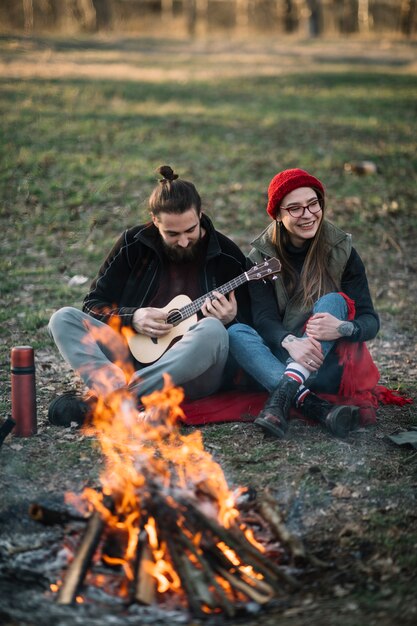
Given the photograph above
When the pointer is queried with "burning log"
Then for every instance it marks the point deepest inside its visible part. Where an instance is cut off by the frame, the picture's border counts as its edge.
(196, 595)
(209, 575)
(79, 566)
(221, 558)
(49, 516)
(172, 517)
(238, 542)
(261, 596)
(145, 589)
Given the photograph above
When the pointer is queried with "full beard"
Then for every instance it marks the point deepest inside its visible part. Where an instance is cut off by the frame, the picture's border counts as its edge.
(177, 254)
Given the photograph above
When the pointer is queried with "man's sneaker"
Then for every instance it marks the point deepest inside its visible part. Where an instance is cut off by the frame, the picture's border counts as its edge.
(70, 407)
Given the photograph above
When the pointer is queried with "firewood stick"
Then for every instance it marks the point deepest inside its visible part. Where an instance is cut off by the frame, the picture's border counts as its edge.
(260, 584)
(264, 565)
(145, 583)
(219, 560)
(273, 516)
(186, 581)
(246, 551)
(270, 511)
(78, 568)
(247, 589)
(201, 589)
(223, 601)
(49, 516)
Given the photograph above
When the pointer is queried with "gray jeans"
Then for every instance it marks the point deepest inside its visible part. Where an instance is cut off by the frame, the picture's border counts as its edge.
(103, 360)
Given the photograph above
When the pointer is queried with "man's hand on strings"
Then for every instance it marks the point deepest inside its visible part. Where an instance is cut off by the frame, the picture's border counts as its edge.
(221, 307)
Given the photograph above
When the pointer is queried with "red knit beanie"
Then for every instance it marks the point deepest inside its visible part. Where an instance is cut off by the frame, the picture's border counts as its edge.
(287, 181)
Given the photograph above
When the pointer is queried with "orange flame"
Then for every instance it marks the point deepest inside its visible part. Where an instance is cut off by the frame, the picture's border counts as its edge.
(150, 463)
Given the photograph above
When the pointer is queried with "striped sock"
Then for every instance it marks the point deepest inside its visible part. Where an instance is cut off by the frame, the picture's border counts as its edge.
(301, 395)
(297, 372)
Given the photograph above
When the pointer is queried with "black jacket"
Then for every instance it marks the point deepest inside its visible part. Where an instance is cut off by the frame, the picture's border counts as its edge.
(130, 275)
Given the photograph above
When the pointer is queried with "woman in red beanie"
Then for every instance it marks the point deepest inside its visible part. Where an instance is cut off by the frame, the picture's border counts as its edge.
(304, 319)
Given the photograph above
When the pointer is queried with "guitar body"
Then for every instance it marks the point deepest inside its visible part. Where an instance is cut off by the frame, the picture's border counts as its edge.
(147, 349)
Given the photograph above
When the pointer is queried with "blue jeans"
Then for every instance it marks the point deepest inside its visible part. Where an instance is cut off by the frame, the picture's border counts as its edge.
(258, 360)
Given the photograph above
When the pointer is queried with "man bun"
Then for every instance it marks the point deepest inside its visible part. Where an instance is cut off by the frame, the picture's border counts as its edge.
(167, 172)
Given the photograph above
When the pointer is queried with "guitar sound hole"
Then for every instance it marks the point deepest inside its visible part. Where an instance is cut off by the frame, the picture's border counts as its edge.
(174, 317)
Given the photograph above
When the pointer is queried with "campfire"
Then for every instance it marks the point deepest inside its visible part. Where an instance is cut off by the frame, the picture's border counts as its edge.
(165, 528)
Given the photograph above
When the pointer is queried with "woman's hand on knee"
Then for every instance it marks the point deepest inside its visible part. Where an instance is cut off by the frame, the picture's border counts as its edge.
(306, 351)
(323, 327)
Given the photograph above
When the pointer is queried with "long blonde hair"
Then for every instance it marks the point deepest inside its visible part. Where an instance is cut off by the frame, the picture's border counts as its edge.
(315, 279)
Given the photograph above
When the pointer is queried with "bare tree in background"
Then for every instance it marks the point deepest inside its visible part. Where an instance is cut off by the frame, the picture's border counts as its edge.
(364, 18)
(103, 14)
(310, 18)
(290, 22)
(407, 16)
(316, 17)
(87, 16)
(242, 13)
(167, 9)
(190, 9)
(27, 6)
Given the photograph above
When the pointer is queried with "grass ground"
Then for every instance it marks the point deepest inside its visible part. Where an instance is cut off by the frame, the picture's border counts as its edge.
(84, 123)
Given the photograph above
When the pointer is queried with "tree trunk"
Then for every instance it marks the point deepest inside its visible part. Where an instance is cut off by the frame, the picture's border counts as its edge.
(202, 16)
(315, 18)
(88, 15)
(191, 16)
(364, 18)
(407, 16)
(242, 13)
(28, 15)
(289, 16)
(167, 10)
(103, 14)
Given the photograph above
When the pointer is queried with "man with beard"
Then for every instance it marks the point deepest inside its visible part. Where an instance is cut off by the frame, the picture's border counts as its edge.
(115, 341)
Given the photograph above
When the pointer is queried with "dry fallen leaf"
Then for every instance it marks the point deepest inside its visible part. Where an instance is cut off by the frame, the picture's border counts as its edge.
(341, 491)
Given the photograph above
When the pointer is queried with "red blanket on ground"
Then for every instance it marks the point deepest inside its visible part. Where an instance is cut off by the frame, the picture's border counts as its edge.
(359, 386)
(243, 406)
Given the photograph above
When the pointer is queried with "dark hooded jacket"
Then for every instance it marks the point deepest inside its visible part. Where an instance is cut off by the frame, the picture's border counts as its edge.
(131, 273)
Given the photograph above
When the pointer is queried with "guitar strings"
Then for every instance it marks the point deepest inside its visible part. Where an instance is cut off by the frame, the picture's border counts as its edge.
(176, 316)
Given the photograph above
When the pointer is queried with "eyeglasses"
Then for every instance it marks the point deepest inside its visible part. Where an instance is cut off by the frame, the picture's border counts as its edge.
(299, 210)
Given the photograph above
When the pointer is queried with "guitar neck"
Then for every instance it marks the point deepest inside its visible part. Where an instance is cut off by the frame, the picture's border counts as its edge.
(193, 307)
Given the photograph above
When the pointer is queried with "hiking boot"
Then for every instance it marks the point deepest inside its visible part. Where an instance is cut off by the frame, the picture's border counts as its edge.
(273, 417)
(337, 419)
(70, 407)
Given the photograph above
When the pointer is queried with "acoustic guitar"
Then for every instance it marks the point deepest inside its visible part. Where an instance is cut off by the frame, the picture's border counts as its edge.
(182, 313)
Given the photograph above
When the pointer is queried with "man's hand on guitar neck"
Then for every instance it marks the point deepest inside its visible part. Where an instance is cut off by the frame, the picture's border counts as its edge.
(222, 307)
(151, 322)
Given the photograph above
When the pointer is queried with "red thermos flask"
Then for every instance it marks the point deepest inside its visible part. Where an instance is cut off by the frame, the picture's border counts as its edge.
(23, 391)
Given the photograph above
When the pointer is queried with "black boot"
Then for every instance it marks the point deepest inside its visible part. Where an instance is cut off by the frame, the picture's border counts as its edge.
(273, 417)
(71, 407)
(339, 420)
